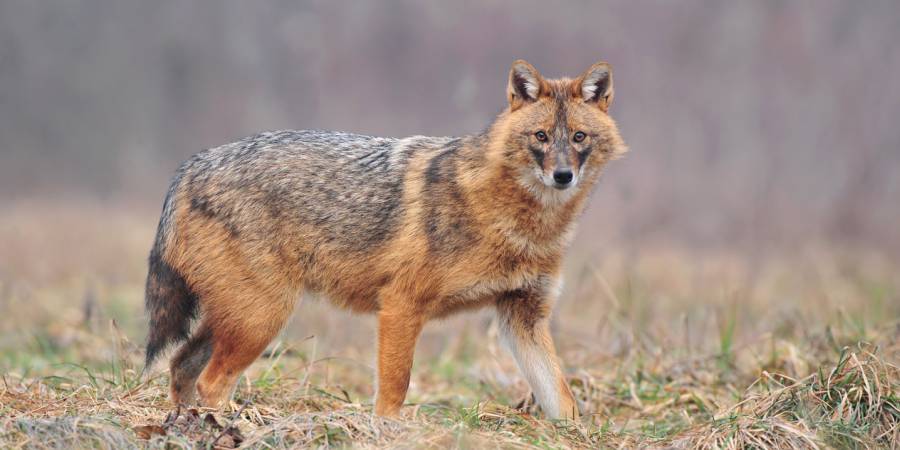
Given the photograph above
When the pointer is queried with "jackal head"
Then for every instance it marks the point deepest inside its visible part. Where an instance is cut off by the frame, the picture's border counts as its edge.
(558, 133)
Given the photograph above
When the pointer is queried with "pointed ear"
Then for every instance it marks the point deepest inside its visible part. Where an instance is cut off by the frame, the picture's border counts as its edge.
(525, 84)
(596, 85)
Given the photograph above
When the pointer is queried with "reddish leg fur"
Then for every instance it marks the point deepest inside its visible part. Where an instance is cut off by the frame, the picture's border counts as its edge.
(240, 336)
(397, 334)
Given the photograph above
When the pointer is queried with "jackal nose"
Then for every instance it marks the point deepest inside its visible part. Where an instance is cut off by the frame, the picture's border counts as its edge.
(563, 177)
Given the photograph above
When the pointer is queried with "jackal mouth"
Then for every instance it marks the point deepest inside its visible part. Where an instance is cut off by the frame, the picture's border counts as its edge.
(563, 187)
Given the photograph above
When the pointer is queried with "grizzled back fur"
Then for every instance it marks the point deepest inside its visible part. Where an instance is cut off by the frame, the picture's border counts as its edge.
(345, 184)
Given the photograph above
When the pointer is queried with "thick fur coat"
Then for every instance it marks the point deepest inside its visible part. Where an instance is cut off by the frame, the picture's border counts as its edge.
(408, 229)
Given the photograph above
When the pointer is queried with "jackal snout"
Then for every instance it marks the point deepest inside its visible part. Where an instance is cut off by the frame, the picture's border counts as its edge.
(556, 161)
(560, 172)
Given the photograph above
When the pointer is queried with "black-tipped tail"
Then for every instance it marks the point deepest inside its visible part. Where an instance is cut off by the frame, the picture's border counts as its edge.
(170, 304)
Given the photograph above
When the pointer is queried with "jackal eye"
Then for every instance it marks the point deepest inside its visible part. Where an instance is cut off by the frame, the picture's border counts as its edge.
(579, 136)
(541, 136)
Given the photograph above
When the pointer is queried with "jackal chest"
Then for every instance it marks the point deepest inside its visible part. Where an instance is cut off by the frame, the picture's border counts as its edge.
(495, 275)
(477, 289)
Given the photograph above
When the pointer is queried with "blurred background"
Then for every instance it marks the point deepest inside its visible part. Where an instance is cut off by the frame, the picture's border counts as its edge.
(765, 146)
(764, 123)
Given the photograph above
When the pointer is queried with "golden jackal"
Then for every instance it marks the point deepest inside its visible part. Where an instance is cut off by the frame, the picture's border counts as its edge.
(409, 229)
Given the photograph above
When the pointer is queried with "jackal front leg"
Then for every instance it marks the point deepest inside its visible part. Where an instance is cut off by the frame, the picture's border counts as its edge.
(397, 334)
(524, 317)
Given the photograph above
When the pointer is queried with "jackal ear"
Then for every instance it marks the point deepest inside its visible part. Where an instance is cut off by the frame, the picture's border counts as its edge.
(596, 85)
(525, 84)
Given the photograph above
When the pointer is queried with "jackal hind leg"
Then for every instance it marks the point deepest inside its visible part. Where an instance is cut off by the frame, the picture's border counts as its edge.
(241, 329)
(187, 364)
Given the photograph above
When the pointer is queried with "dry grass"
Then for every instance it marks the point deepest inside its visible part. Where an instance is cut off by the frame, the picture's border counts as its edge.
(665, 348)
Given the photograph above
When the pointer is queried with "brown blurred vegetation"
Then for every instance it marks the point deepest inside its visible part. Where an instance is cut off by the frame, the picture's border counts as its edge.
(753, 125)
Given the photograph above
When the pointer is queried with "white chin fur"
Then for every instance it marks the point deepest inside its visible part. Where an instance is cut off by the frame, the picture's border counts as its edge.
(544, 188)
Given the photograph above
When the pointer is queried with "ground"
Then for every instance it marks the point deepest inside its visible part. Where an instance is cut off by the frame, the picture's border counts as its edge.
(664, 346)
